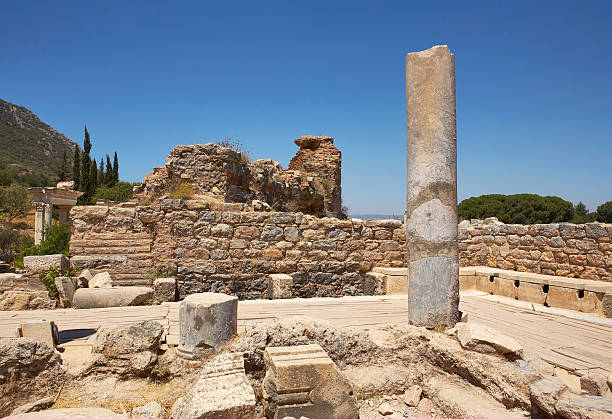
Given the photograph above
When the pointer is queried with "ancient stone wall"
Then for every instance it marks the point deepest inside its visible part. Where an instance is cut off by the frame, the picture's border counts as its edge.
(223, 247)
(310, 185)
(570, 250)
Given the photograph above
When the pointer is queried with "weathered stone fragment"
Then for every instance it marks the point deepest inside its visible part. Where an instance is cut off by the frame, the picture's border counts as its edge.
(101, 280)
(84, 277)
(304, 381)
(127, 350)
(221, 391)
(151, 410)
(594, 383)
(431, 226)
(546, 392)
(36, 264)
(164, 289)
(590, 407)
(65, 290)
(484, 339)
(40, 330)
(111, 297)
(207, 321)
(412, 396)
(29, 367)
(72, 413)
(34, 406)
(279, 286)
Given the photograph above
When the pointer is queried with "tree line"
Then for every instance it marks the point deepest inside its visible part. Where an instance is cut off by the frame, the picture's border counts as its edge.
(531, 209)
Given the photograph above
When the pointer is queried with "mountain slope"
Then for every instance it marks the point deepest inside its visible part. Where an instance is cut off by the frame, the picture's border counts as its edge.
(28, 145)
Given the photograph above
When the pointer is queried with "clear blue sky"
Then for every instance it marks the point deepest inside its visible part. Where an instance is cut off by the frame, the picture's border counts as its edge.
(534, 86)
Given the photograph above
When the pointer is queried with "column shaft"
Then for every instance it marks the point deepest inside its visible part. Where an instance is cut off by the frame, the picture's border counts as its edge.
(39, 221)
(48, 215)
(431, 226)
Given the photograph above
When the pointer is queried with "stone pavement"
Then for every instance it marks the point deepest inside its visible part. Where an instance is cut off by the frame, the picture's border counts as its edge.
(568, 339)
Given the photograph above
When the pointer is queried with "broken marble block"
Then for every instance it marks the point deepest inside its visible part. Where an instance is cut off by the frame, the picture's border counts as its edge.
(480, 338)
(221, 391)
(40, 330)
(36, 264)
(65, 290)
(304, 381)
(111, 297)
(101, 280)
(207, 321)
(164, 290)
(279, 286)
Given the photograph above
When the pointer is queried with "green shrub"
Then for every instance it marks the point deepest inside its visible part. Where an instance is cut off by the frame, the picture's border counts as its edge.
(48, 278)
(120, 192)
(517, 209)
(56, 240)
(604, 212)
(9, 240)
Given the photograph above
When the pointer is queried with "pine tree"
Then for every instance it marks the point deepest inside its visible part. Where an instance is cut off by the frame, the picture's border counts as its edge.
(76, 168)
(115, 170)
(101, 172)
(108, 178)
(62, 168)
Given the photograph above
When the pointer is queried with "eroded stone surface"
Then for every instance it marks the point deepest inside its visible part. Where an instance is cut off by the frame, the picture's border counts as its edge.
(164, 289)
(481, 338)
(36, 264)
(279, 286)
(73, 413)
(206, 321)
(304, 381)
(101, 280)
(221, 391)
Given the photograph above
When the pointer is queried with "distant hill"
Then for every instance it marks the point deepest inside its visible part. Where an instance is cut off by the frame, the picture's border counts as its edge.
(30, 147)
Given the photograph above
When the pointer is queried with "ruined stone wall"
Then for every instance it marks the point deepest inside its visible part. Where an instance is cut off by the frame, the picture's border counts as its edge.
(222, 247)
(571, 250)
(310, 185)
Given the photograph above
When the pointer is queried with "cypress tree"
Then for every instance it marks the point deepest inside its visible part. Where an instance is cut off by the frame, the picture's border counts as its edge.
(85, 169)
(93, 182)
(87, 142)
(115, 169)
(62, 169)
(108, 178)
(76, 168)
(101, 172)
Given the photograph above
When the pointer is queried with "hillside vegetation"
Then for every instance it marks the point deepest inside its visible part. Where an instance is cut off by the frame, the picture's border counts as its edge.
(29, 148)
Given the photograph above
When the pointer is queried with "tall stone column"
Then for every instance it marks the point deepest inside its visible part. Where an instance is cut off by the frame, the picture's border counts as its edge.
(48, 216)
(431, 227)
(39, 220)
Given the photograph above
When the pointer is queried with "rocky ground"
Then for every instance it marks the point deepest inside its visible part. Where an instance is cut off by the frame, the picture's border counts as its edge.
(397, 372)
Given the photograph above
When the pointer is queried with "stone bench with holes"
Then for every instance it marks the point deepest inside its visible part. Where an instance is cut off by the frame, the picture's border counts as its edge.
(583, 295)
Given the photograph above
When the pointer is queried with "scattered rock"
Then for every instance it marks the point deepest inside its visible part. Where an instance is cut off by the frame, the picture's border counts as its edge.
(164, 290)
(34, 406)
(101, 280)
(151, 410)
(37, 264)
(111, 297)
(544, 394)
(279, 286)
(385, 409)
(260, 205)
(426, 406)
(589, 407)
(84, 277)
(594, 383)
(72, 413)
(412, 396)
(484, 339)
(65, 290)
(127, 350)
(29, 369)
(22, 299)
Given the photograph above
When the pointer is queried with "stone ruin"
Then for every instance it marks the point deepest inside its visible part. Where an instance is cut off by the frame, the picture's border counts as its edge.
(311, 184)
(299, 367)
